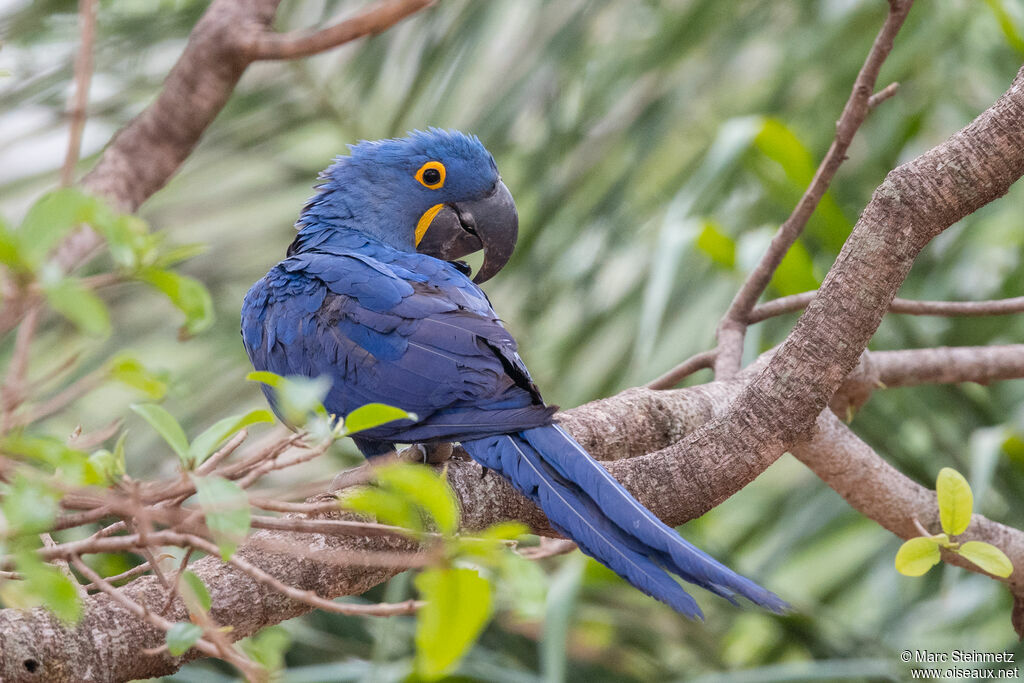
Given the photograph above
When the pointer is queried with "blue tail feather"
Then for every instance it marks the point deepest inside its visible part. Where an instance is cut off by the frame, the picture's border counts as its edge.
(583, 501)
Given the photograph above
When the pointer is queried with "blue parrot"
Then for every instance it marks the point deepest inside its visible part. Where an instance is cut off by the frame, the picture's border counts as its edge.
(372, 296)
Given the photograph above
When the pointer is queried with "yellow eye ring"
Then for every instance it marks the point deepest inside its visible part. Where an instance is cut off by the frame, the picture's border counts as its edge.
(431, 175)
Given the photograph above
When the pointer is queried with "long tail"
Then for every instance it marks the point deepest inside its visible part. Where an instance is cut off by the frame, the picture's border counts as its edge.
(584, 502)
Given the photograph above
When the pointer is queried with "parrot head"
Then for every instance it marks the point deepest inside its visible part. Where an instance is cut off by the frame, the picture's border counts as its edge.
(437, 192)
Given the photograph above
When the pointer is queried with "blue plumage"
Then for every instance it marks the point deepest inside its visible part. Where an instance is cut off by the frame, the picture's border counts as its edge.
(355, 302)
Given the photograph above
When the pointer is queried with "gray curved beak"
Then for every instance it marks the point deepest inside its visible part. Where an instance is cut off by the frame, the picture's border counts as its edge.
(490, 223)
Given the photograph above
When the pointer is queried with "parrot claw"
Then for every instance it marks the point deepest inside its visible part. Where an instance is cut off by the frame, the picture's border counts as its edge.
(428, 454)
(484, 471)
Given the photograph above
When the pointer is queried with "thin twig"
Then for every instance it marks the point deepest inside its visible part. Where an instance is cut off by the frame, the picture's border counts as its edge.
(549, 547)
(63, 566)
(330, 527)
(13, 390)
(700, 361)
(308, 597)
(285, 506)
(80, 98)
(226, 450)
(797, 302)
(295, 44)
(173, 593)
(882, 95)
(133, 573)
(732, 328)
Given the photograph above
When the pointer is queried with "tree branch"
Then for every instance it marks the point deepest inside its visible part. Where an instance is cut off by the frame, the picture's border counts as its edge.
(796, 302)
(144, 155)
(621, 428)
(80, 98)
(732, 328)
(305, 43)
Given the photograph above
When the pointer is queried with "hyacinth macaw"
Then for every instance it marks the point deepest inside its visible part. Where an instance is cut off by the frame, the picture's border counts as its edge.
(371, 296)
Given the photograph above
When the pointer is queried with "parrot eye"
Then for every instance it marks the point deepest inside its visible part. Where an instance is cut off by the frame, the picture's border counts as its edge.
(431, 175)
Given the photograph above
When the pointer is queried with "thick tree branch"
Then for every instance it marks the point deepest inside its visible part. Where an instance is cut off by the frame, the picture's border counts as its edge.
(621, 428)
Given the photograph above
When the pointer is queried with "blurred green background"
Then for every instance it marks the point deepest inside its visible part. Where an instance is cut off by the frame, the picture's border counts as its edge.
(653, 148)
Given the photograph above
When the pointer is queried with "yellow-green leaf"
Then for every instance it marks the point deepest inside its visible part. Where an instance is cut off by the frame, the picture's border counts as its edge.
(129, 371)
(167, 426)
(718, 246)
(226, 506)
(917, 556)
(988, 557)
(373, 415)
(182, 636)
(458, 607)
(426, 489)
(955, 501)
(188, 294)
(194, 593)
(387, 507)
(79, 305)
(204, 444)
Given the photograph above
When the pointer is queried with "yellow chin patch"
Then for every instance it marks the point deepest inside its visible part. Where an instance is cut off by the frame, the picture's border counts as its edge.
(425, 220)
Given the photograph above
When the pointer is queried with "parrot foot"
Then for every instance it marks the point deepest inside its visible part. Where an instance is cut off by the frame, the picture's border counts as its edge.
(427, 454)
(483, 472)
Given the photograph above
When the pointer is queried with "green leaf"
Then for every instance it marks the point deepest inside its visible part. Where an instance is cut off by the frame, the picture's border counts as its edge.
(268, 647)
(271, 379)
(226, 506)
(386, 507)
(373, 415)
(718, 246)
(45, 585)
(523, 586)
(955, 501)
(28, 506)
(988, 557)
(194, 593)
(796, 272)
(53, 216)
(127, 370)
(188, 294)
(1007, 25)
(917, 556)
(165, 425)
(780, 144)
(503, 531)
(71, 464)
(297, 397)
(107, 465)
(79, 305)
(129, 240)
(10, 248)
(424, 488)
(458, 607)
(181, 637)
(176, 255)
(207, 442)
